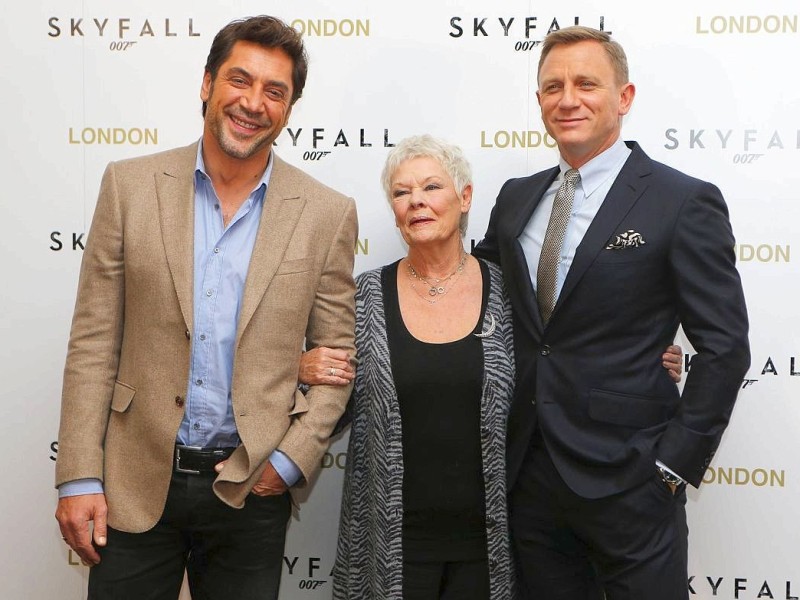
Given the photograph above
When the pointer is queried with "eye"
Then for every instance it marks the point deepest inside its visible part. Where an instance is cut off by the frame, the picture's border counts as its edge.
(238, 81)
(396, 194)
(551, 87)
(432, 186)
(276, 94)
(587, 85)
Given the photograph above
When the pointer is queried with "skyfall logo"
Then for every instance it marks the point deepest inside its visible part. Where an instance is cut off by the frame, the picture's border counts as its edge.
(306, 570)
(741, 588)
(321, 142)
(123, 31)
(748, 145)
(772, 368)
(517, 28)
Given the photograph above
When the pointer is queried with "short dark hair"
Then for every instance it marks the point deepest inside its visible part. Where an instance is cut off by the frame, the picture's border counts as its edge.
(268, 32)
(578, 33)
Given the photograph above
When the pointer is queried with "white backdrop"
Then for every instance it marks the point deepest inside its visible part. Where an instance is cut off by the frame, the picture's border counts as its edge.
(85, 82)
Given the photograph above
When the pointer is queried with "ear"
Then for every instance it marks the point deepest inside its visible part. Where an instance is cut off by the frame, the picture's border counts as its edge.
(205, 88)
(539, 98)
(466, 198)
(626, 94)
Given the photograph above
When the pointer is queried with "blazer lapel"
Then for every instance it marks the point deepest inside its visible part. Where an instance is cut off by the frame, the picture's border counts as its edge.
(175, 192)
(626, 190)
(280, 214)
(531, 198)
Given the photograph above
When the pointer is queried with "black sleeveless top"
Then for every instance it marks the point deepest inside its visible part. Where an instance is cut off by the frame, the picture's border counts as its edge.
(439, 391)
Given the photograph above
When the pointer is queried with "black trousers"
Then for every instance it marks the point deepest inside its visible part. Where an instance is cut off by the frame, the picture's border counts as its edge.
(440, 580)
(226, 552)
(630, 546)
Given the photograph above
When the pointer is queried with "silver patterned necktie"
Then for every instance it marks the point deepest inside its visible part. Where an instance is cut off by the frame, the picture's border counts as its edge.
(547, 272)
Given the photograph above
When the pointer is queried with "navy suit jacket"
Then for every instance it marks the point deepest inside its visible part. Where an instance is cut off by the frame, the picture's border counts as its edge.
(592, 376)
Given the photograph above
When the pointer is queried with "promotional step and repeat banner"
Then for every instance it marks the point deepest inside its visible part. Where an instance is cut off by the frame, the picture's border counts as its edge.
(87, 82)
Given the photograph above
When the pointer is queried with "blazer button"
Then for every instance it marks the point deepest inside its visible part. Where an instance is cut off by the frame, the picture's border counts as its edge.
(178, 401)
(188, 335)
(545, 351)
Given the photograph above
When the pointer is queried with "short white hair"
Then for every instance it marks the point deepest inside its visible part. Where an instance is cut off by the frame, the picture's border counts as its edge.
(450, 156)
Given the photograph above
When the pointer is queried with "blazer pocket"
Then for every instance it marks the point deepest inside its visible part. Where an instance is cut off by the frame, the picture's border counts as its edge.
(123, 394)
(622, 256)
(299, 265)
(300, 403)
(628, 410)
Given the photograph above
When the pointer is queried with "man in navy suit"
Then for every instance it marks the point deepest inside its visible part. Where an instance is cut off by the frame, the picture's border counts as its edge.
(600, 441)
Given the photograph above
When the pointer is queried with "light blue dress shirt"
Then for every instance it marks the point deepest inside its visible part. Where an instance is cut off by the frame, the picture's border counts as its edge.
(221, 260)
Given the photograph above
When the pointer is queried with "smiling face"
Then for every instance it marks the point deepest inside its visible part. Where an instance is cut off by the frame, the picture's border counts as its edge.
(249, 101)
(582, 101)
(427, 208)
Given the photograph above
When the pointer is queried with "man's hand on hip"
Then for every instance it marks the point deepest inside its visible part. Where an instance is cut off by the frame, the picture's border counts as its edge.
(269, 484)
(74, 514)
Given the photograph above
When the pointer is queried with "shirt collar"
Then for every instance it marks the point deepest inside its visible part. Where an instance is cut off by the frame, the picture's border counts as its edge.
(200, 171)
(597, 170)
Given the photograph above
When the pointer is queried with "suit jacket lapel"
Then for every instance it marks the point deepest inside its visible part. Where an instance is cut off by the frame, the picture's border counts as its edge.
(533, 194)
(175, 192)
(280, 214)
(626, 190)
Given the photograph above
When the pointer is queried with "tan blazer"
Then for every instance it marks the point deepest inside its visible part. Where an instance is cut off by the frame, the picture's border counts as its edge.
(128, 362)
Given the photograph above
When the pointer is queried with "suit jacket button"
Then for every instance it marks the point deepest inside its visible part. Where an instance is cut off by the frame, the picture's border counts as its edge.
(178, 400)
(545, 351)
(188, 335)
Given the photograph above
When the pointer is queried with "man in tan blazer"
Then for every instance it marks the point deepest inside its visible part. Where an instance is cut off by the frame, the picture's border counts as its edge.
(206, 270)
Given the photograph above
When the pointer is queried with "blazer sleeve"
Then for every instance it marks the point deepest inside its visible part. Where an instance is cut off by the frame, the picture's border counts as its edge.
(331, 323)
(489, 248)
(94, 343)
(712, 311)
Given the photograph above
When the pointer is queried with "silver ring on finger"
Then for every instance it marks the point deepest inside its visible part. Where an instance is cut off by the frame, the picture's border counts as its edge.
(332, 372)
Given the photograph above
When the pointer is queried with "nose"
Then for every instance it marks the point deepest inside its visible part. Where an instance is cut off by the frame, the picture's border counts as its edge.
(569, 96)
(416, 197)
(251, 99)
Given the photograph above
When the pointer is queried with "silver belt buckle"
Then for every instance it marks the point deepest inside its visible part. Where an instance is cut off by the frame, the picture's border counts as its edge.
(178, 468)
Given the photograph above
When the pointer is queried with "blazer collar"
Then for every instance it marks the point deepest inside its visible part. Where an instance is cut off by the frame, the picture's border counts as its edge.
(175, 193)
(531, 196)
(283, 206)
(629, 186)
(280, 214)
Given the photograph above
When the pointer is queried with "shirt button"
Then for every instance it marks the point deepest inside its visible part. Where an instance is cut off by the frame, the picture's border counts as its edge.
(209, 292)
(178, 401)
(216, 250)
(202, 337)
(196, 426)
(545, 351)
(199, 382)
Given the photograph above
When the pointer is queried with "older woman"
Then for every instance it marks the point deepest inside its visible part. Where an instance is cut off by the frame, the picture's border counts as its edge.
(424, 503)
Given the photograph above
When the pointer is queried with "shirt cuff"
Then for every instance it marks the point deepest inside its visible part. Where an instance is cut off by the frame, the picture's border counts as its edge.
(80, 487)
(285, 467)
(666, 468)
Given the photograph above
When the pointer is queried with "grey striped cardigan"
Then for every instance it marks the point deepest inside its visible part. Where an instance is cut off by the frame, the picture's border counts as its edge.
(369, 554)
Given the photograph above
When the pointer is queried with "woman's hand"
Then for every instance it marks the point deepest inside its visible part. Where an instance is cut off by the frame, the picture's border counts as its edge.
(328, 366)
(672, 360)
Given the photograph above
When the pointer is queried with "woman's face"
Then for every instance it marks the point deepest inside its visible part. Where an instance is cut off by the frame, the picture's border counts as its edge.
(427, 208)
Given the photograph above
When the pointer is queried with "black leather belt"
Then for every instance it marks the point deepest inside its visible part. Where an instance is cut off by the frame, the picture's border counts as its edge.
(194, 460)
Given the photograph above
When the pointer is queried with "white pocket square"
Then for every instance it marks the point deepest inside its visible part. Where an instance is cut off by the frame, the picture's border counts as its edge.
(628, 239)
